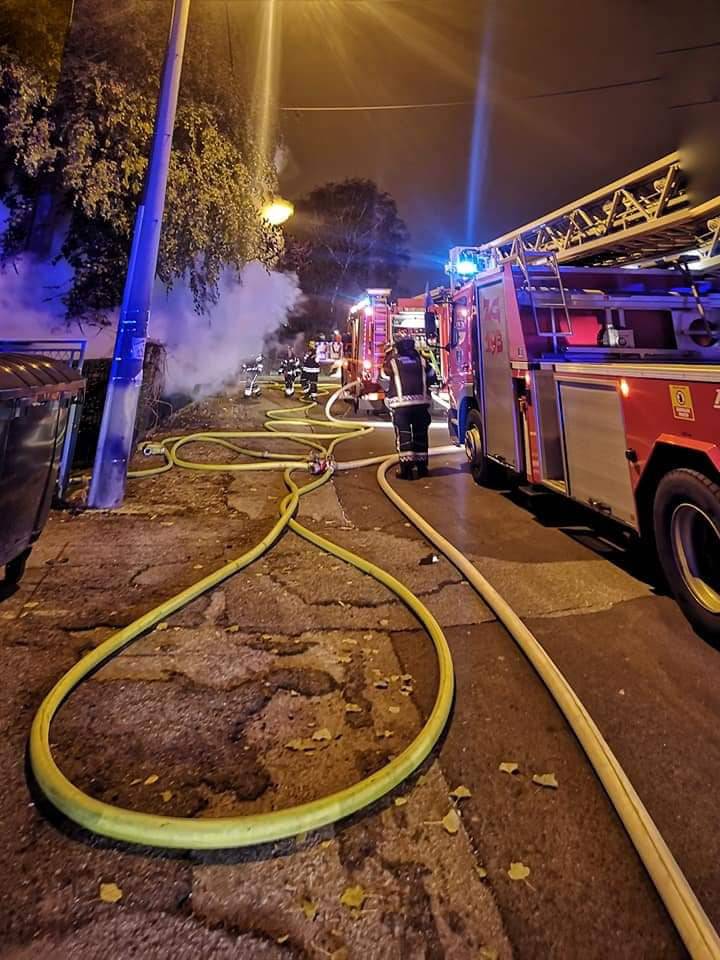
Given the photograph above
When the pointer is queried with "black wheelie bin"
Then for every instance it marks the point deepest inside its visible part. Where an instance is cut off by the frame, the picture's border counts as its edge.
(35, 398)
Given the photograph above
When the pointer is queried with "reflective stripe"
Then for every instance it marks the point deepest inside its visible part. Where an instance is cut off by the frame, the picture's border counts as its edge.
(412, 400)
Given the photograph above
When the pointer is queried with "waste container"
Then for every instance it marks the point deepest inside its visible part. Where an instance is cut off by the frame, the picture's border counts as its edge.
(36, 394)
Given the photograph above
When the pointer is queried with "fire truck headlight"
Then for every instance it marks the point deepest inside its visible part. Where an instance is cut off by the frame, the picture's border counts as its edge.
(367, 364)
(625, 388)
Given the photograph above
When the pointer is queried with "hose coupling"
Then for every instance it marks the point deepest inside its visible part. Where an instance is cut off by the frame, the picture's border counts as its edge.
(153, 450)
(318, 464)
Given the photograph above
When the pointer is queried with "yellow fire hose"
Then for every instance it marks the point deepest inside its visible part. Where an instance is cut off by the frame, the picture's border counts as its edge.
(226, 832)
(692, 923)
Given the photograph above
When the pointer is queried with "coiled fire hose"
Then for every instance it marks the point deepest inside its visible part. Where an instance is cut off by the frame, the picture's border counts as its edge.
(692, 923)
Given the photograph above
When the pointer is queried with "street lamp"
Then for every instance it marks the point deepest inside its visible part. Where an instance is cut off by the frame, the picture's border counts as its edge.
(277, 211)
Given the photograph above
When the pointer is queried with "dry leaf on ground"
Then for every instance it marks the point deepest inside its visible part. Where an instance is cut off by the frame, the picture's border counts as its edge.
(149, 781)
(353, 708)
(300, 745)
(451, 821)
(545, 780)
(461, 792)
(309, 909)
(518, 871)
(400, 801)
(110, 893)
(508, 767)
(353, 897)
(322, 734)
(481, 872)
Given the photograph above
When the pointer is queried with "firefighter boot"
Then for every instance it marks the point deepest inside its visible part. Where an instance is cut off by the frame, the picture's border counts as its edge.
(421, 468)
(405, 471)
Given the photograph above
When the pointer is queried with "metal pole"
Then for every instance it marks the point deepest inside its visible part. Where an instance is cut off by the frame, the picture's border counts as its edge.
(107, 487)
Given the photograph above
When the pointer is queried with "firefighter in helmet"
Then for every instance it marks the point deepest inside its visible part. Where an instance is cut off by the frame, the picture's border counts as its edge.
(252, 372)
(310, 372)
(407, 378)
(289, 369)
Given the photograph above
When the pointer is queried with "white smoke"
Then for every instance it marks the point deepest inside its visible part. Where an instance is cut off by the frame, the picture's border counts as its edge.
(204, 353)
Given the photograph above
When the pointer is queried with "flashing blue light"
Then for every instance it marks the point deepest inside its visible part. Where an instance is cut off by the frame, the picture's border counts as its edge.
(466, 268)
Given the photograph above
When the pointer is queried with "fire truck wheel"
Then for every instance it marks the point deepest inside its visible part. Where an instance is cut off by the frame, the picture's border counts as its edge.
(686, 519)
(480, 466)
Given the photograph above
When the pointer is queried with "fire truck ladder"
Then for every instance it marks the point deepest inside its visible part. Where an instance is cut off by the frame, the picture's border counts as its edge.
(544, 288)
(641, 218)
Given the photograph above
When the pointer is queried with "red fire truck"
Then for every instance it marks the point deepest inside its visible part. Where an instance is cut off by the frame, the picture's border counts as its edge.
(376, 320)
(578, 364)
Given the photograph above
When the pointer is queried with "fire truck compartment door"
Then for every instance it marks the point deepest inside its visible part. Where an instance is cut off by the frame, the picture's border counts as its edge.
(496, 383)
(595, 444)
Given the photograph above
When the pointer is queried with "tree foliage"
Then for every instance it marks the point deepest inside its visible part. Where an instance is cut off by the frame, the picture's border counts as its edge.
(82, 135)
(347, 237)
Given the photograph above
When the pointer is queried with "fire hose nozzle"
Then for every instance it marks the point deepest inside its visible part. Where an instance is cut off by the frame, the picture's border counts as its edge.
(153, 450)
(318, 465)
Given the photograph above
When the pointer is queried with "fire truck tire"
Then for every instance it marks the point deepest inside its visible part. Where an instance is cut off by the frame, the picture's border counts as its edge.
(686, 520)
(480, 466)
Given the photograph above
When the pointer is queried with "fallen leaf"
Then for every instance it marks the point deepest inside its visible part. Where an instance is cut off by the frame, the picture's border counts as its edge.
(233, 629)
(352, 643)
(353, 708)
(166, 795)
(322, 734)
(380, 734)
(394, 709)
(325, 844)
(136, 780)
(461, 792)
(197, 566)
(31, 604)
(353, 898)
(110, 893)
(507, 767)
(407, 677)
(518, 871)
(162, 626)
(283, 939)
(367, 636)
(381, 684)
(343, 659)
(395, 677)
(481, 872)
(451, 821)
(384, 623)
(488, 953)
(545, 780)
(309, 909)
(153, 778)
(400, 801)
(266, 636)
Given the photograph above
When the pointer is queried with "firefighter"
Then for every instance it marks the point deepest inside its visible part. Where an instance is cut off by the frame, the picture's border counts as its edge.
(408, 399)
(310, 372)
(290, 368)
(252, 371)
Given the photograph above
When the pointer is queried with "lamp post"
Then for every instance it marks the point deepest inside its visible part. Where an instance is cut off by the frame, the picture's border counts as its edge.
(107, 487)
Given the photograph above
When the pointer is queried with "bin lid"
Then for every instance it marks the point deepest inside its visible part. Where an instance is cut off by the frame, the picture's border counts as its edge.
(29, 375)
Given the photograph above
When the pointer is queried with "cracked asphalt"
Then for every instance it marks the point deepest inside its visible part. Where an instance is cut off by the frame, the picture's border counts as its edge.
(213, 713)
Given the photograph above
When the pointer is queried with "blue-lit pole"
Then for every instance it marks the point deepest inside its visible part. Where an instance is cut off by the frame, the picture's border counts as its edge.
(107, 487)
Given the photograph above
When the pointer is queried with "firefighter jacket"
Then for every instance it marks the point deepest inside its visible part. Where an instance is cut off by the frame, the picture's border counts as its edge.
(310, 363)
(289, 366)
(410, 377)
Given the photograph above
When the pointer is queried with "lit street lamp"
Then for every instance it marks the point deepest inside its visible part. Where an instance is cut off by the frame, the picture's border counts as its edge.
(277, 211)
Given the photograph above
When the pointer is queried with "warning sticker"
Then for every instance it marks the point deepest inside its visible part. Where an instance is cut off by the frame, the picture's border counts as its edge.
(682, 404)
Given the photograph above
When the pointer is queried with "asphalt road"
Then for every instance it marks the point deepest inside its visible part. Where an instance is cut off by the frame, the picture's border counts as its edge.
(649, 682)
(199, 718)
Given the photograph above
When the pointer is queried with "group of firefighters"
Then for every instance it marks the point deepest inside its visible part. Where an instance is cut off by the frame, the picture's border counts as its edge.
(407, 375)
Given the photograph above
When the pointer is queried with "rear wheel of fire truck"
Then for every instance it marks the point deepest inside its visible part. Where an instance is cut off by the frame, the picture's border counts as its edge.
(480, 466)
(686, 520)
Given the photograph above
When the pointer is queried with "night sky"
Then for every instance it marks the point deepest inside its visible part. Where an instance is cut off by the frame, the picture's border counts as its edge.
(539, 134)
(537, 145)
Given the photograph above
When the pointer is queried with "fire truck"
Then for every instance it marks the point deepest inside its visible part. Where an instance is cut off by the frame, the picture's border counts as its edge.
(377, 319)
(584, 359)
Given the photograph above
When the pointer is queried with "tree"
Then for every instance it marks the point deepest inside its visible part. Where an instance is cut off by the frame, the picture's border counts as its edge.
(84, 140)
(348, 237)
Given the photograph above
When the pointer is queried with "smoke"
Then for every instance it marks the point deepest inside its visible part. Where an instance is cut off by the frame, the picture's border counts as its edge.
(204, 353)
